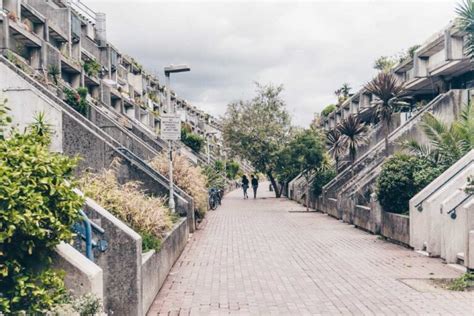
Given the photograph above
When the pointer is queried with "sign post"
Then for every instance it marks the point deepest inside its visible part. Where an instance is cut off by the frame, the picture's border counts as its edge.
(170, 127)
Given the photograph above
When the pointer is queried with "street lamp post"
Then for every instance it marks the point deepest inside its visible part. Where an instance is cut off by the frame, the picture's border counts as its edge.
(171, 110)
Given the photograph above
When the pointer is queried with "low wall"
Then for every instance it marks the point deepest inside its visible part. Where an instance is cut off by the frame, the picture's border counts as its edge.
(361, 217)
(396, 227)
(121, 263)
(82, 276)
(157, 265)
(331, 208)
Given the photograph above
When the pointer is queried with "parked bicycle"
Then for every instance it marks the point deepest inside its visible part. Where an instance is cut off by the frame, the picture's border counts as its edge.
(215, 198)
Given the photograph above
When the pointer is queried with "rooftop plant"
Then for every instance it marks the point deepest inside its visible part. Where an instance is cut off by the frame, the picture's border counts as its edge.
(328, 109)
(77, 99)
(146, 215)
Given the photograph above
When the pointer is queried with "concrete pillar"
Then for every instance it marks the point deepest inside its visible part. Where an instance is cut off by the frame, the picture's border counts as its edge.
(100, 28)
(375, 214)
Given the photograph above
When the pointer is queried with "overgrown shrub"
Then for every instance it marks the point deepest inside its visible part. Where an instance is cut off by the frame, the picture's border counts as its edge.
(186, 176)
(321, 179)
(232, 169)
(146, 215)
(192, 140)
(37, 209)
(77, 99)
(91, 68)
(402, 177)
(328, 109)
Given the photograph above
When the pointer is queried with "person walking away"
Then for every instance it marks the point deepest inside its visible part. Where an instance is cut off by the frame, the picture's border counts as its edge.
(245, 186)
(254, 186)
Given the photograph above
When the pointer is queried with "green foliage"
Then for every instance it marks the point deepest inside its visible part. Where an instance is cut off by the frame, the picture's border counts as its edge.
(77, 99)
(328, 109)
(336, 144)
(401, 178)
(232, 169)
(54, 72)
(353, 134)
(192, 140)
(447, 143)
(91, 67)
(385, 64)
(343, 93)
(256, 130)
(321, 178)
(465, 22)
(150, 242)
(307, 151)
(462, 283)
(87, 305)
(37, 208)
(214, 177)
(5, 120)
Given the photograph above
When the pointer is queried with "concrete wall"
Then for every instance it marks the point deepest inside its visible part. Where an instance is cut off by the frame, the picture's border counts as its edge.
(157, 265)
(82, 275)
(396, 227)
(121, 263)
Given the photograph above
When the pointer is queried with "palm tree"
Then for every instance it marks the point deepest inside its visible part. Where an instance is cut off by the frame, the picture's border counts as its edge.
(388, 91)
(353, 135)
(465, 21)
(345, 90)
(447, 143)
(335, 142)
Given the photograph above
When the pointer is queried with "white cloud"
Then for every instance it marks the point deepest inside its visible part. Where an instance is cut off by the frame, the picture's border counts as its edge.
(310, 47)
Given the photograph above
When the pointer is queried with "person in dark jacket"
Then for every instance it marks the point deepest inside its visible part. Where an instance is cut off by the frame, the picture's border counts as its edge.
(254, 186)
(245, 185)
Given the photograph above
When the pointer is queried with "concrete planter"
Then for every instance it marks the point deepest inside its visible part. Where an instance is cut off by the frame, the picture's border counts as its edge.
(157, 265)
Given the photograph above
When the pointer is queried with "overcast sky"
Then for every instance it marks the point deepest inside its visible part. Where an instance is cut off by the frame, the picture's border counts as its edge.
(309, 47)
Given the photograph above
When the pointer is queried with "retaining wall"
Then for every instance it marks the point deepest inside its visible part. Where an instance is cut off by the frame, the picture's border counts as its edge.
(157, 265)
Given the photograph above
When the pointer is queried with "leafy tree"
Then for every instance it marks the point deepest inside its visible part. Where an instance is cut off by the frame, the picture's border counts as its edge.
(401, 178)
(328, 109)
(343, 93)
(305, 152)
(388, 91)
(335, 143)
(257, 129)
(465, 22)
(447, 143)
(353, 135)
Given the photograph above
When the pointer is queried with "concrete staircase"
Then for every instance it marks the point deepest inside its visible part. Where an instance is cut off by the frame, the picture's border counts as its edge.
(442, 216)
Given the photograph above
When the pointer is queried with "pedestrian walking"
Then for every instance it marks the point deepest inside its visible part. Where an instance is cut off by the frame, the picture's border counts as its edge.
(254, 186)
(245, 185)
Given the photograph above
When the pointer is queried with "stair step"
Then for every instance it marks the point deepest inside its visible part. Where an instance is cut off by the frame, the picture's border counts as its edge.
(460, 256)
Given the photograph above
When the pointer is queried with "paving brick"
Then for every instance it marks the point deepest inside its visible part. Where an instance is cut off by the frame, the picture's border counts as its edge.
(254, 257)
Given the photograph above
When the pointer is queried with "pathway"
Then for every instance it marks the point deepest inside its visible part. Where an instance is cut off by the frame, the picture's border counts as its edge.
(265, 256)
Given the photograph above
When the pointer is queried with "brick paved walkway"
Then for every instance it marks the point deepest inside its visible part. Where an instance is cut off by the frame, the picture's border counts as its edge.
(257, 257)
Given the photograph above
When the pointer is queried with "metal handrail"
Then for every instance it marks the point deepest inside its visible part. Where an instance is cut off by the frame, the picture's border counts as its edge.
(86, 235)
(419, 204)
(452, 212)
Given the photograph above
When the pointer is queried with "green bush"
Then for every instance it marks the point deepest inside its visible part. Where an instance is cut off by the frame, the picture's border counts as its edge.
(328, 109)
(193, 141)
(321, 179)
(77, 99)
(91, 67)
(401, 178)
(233, 168)
(37, 209)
